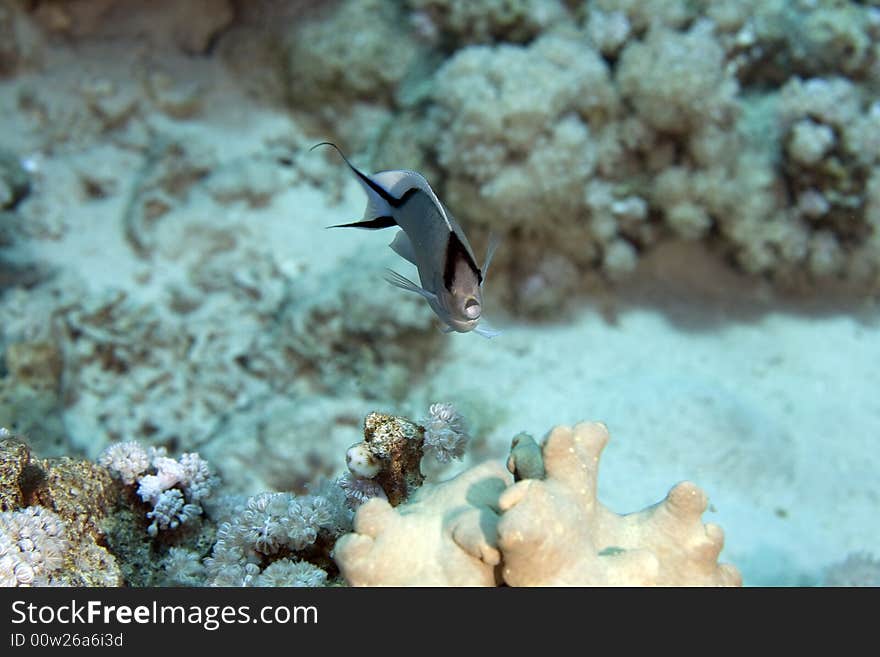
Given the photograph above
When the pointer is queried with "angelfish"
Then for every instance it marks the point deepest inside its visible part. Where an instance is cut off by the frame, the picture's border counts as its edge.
(431, 239)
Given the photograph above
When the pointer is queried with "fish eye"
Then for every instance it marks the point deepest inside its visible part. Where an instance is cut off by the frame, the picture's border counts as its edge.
(472, 308)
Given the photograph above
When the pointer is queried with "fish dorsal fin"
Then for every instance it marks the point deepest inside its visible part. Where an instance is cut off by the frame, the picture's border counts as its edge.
(455, 253)
(403, 247)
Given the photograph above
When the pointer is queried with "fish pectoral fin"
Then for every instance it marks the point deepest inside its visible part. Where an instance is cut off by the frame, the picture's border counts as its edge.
(446, 329)
(403, 247)
(486, 331)
(370, 224)
(494, 241)
(405, 284)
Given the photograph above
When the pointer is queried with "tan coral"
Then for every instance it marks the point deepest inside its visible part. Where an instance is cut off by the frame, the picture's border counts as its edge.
(14, 459)
(444, 537)
(555, 532)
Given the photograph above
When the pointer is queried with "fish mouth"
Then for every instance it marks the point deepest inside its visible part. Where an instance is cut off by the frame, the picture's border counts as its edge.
(472, 309)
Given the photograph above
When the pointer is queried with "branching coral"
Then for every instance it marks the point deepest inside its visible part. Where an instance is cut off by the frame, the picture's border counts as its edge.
(677, 81)
(518, 132)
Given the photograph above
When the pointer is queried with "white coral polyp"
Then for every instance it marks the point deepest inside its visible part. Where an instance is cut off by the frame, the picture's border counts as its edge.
(127, 460)
(33, 543)
(446, 434)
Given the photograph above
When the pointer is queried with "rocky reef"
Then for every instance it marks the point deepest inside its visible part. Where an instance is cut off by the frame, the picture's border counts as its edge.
(137, 518)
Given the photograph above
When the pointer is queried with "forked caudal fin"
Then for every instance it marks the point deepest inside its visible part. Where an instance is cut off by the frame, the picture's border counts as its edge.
(379, 213)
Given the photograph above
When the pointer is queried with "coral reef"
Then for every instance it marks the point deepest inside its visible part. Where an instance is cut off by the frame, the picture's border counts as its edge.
(603, 136)
(52, 530)
(551, 531)
(165, 290)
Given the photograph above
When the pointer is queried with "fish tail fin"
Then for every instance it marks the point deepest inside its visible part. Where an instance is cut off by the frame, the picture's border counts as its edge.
(378, 206)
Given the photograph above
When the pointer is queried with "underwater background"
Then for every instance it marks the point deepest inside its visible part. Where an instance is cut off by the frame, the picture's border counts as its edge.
(687, 194)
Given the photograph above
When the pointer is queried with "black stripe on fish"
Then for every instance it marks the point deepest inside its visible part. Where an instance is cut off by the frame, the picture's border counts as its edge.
(407, 195)
(370, 224)
(455, 251)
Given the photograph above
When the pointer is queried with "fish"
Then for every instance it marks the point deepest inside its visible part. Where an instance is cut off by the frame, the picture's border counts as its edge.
(431, 239)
